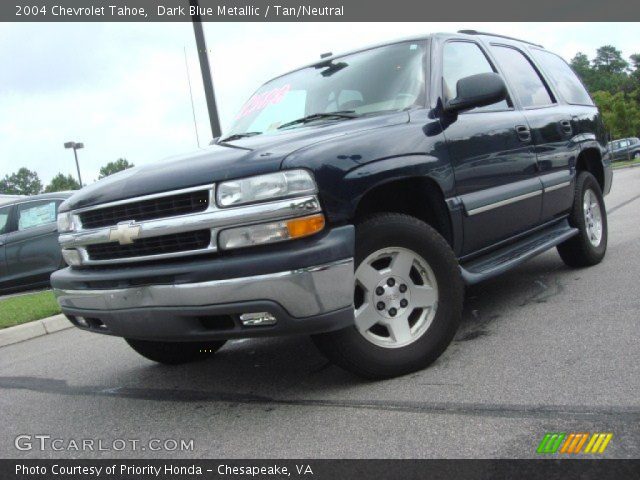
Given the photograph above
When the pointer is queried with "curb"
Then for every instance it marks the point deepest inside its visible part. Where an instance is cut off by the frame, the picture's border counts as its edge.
(634, 165)
(37, 328)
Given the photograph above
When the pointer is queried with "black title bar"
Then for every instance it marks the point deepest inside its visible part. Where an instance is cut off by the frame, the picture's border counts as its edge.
(547, 469)
(316, 10)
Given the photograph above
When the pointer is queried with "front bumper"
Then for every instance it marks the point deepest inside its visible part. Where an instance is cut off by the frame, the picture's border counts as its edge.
(204, 299)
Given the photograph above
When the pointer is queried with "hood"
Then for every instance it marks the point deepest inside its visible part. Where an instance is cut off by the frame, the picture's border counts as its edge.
(240, 158)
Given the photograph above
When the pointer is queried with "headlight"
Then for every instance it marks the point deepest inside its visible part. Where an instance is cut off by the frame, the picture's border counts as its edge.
(65, 222)
(265, 187)
(271, 232)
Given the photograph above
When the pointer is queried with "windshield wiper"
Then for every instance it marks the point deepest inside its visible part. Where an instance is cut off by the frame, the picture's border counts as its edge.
(237, 136)
(318, 116)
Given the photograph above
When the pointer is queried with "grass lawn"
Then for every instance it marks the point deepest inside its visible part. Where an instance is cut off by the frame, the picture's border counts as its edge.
(626, 163)
(26, 308)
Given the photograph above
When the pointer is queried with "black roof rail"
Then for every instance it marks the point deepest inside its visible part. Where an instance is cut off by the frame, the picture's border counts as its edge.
(475, 32)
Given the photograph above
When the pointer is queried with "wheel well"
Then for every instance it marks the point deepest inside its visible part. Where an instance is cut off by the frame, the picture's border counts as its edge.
(418, 197)
(589, 160)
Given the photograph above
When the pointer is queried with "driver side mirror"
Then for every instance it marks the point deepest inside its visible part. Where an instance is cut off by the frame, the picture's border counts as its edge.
(477, 91)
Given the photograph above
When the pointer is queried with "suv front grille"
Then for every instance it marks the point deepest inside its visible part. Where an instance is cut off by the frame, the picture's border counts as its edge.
(178, 242)
(165, 226)
(160, 207)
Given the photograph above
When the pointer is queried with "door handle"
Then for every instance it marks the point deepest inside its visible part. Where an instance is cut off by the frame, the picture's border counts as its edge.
(524, 133)
(566, 127)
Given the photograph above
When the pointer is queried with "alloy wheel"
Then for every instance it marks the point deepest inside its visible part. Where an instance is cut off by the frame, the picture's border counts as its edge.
(592, 217)
(396, 297)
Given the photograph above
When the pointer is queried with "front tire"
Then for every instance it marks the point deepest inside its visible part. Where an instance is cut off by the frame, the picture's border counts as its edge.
(589, 216)
(174, 353)
(408, 299)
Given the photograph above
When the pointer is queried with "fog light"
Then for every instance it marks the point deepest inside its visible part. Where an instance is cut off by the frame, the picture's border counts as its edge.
(71, 257)
(271, 232)
(257, 319)
(82, 322)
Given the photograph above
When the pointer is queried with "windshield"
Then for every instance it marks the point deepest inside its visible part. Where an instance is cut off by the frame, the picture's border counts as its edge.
(386, 78)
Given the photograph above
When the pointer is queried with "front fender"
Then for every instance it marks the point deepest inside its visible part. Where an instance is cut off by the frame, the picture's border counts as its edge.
(348, 166)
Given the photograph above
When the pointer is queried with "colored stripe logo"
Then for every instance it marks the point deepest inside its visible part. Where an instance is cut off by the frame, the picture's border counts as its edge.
(573, 443)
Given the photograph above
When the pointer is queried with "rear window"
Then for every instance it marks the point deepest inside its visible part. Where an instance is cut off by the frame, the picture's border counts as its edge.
(564, 79)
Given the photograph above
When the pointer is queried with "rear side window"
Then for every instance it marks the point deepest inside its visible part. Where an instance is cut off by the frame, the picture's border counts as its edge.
(564, 79)
(460, 60)
(529, 87)
(36, 214)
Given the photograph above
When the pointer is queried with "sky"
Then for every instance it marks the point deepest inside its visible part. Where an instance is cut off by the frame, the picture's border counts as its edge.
(122, 88)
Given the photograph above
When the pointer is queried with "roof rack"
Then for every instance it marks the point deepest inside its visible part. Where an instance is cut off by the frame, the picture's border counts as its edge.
(475, 32)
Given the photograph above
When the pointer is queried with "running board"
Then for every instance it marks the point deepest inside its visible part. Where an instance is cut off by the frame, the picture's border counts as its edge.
(506, 258)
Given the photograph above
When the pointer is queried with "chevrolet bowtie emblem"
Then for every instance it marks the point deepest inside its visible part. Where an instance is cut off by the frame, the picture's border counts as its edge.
(124, 233)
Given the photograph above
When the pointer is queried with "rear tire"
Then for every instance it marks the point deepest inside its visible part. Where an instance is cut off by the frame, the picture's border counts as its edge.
(174, 353)
(408, 299)
(589, 216)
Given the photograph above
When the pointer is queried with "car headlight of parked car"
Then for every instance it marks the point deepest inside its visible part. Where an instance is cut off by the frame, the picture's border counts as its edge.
(65, 222)
(265, 187)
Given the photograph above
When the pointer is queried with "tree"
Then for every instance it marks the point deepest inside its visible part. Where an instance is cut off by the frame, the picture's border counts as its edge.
(62, 182)
(609, 59)
(23, 182)
(608, 72)
(620, 113)
(635, 62)
(114, 167)
(581, 65)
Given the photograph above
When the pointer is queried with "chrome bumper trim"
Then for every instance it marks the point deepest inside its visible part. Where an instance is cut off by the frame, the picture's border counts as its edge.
(303, 292)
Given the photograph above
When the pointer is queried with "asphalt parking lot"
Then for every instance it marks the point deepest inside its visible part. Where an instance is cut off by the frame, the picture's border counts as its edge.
(542, 349)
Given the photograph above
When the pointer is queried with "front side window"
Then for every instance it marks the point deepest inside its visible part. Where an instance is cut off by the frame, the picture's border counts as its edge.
(4, 219)
(36, 214)
(460, 60)
(565, 80)
(389, 78)
(528, 85)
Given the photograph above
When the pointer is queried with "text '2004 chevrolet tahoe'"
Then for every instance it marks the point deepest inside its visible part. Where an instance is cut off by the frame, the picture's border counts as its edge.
(352, 200)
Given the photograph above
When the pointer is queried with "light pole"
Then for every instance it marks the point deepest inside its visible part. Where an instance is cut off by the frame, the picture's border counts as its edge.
(76, 146)
(203, 56)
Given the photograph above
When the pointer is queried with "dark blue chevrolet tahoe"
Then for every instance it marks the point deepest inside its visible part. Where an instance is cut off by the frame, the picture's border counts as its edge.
(352, 200)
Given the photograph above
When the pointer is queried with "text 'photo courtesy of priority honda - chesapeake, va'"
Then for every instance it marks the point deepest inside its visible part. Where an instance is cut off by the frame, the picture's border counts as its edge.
(319, 240)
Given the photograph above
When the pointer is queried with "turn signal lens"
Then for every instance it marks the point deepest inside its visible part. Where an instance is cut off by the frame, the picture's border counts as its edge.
(302, 227)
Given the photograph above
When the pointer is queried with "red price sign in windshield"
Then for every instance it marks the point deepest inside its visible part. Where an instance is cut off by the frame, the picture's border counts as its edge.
(262, 100)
